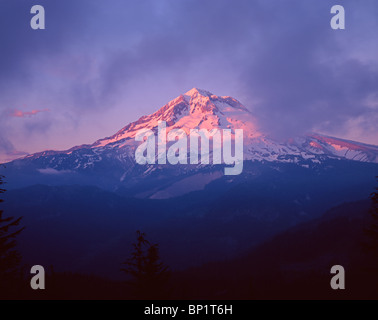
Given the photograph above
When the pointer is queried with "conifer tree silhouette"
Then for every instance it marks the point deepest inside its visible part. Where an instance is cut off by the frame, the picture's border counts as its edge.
(370, 244)
(372, 230)
(9, 257)
(150, 275)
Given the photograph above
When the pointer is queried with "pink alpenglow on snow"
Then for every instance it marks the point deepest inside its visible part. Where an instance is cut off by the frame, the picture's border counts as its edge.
(178, 150)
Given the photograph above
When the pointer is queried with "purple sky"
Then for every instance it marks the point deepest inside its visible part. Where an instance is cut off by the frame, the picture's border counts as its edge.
(102, 64)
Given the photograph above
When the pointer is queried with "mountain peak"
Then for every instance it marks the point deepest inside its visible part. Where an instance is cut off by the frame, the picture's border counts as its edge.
(196, 109)
(200, 109)
(195, 91)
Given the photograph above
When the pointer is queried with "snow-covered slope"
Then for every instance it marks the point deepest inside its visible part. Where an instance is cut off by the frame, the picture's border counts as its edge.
(110, 162)
(200, 109)
(196, 109)
(313, 147)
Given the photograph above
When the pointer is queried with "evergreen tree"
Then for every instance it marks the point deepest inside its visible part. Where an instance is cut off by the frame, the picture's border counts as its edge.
(135, 264)
(9, 257)
(372, 230)
(156, 273)
(370, 246)
(149, 274)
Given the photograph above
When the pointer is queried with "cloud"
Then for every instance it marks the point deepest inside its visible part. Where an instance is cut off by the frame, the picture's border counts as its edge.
(53, 171)
(7, 151)
(21, 114)
(287, 64)
(100, 65)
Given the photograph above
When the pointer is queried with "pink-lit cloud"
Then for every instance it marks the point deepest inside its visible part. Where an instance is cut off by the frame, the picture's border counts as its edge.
(22, 114)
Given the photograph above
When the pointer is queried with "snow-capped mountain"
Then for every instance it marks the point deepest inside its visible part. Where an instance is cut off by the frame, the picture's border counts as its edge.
(200, 109)
(92, 193)
(110, 162)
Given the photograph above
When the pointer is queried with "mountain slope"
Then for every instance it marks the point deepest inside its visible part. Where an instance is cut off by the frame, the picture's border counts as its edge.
(112, 159)
(201, 109)
(295, 264)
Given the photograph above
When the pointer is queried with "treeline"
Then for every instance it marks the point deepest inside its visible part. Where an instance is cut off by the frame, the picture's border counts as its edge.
(147, 277)
(294, 265)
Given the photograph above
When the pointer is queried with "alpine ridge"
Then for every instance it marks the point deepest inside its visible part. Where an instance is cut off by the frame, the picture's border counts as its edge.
(113, 158)
(200, 109)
